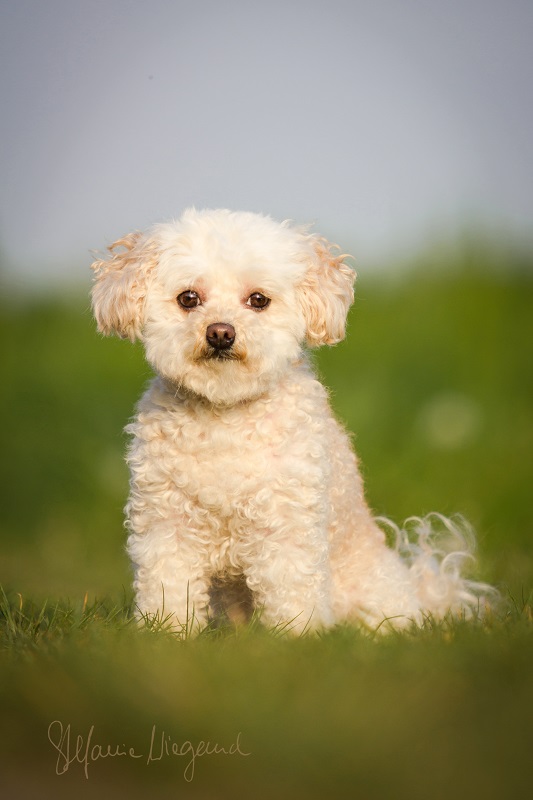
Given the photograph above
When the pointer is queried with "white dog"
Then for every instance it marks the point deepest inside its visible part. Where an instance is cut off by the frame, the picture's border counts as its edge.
(245, 491)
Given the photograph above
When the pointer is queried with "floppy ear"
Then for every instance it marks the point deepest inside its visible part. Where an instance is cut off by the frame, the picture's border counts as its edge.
(120, 286)
(326, 294)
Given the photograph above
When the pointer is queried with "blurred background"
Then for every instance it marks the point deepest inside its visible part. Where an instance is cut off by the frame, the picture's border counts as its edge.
(402, 130)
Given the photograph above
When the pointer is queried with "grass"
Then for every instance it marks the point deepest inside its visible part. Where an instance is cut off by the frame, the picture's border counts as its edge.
(438, 711)
(435, 380)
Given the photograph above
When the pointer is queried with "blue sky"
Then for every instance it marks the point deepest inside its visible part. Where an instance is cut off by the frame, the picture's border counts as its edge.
(383, 121)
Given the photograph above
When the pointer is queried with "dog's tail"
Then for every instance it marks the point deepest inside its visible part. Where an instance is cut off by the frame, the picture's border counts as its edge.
(438, 551)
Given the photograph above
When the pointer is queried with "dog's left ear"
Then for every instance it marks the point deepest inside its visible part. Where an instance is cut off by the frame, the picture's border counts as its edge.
(326, 293)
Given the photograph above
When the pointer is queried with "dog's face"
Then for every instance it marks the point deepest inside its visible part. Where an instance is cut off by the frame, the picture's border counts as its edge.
(222, 301)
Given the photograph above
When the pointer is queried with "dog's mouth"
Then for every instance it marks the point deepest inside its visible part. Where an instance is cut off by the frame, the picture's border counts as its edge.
(222, 355)
(212, 354)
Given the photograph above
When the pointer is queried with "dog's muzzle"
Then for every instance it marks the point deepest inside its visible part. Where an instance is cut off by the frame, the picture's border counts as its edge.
(220, 335)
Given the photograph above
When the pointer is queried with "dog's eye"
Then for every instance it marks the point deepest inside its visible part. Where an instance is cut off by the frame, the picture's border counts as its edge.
(258, 301)
(189, 299)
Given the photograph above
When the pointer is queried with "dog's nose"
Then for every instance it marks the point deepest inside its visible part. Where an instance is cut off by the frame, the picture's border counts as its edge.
(220, 335)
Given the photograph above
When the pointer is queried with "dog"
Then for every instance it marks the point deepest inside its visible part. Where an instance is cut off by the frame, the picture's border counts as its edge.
(245, 491)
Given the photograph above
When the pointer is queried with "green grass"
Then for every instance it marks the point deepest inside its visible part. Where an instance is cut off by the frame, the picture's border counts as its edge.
(436, 382)
(437, 712)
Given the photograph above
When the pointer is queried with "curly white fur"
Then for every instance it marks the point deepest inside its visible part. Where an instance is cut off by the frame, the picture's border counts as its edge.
(242, 482)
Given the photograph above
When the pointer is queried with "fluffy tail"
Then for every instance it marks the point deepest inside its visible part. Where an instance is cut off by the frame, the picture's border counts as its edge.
(437, 550)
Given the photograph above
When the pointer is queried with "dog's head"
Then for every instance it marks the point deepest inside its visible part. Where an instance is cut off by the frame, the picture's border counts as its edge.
(223, 301)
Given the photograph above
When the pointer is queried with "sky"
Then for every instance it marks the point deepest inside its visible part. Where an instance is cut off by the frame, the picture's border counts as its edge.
(383, 122)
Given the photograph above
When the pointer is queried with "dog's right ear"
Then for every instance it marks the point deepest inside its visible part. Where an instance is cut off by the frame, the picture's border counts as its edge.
(120, 286)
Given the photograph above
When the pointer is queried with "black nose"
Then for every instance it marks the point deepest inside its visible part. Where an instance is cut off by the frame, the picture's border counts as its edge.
(220, 335)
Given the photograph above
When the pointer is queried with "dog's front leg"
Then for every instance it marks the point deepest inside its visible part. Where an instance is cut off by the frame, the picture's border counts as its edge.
(287, 570)
(171, 575)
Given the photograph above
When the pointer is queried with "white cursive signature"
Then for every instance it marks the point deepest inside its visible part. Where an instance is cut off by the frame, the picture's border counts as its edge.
(85, 750)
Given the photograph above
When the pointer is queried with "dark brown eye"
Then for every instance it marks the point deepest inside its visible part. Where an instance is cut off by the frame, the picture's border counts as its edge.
(189, 299)
(258, 301)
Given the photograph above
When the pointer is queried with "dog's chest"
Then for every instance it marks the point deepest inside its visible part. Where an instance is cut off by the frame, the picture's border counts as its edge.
(218, 457)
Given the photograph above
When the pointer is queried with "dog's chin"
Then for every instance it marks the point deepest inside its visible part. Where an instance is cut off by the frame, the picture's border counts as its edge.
(222, 380)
